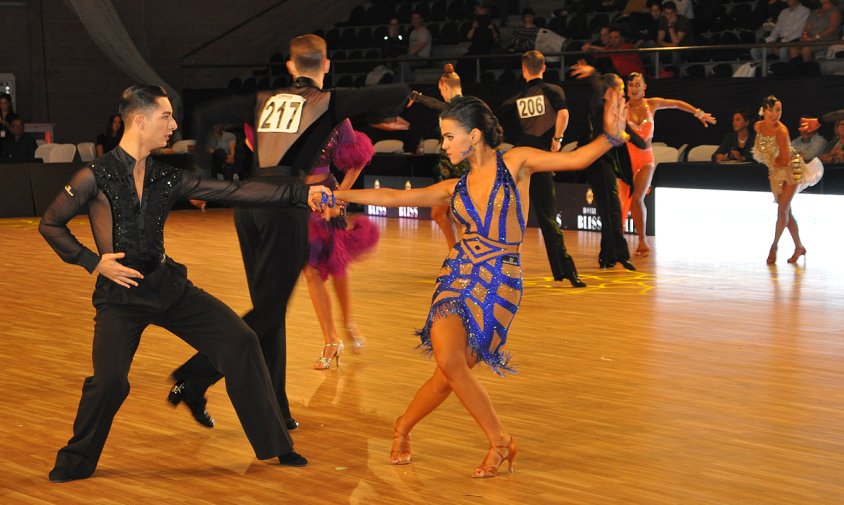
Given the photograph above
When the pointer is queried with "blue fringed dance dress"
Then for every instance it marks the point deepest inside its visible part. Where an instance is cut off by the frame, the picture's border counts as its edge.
(481, 279)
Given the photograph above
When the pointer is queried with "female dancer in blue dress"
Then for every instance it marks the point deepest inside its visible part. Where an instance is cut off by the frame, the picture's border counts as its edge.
(480, 285)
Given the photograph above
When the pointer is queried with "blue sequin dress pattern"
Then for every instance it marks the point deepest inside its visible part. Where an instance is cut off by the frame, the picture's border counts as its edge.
(481, 279)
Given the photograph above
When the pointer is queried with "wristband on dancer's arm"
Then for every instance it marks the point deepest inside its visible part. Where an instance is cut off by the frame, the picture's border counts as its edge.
(617, 141)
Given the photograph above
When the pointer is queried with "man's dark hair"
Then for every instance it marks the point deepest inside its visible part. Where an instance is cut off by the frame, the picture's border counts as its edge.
(669, 5)
(140, 97)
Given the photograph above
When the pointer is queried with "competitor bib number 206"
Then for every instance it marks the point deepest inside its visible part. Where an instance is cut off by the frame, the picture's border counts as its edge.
(282, 114)
(531, 106)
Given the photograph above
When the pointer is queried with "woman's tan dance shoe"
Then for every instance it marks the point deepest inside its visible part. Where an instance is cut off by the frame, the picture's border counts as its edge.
(497, 453)
(400, 453)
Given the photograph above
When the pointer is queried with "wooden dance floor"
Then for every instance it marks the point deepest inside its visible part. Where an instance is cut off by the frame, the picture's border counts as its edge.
(698, 379)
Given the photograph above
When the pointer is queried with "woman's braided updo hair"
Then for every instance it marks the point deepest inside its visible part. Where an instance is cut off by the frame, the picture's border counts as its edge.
(472, 113)
(768, 103)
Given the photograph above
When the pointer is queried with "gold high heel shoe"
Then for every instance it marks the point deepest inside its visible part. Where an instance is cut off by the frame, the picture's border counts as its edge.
(800, 251)
(358, 341)
(487, 471)
(400, 453)
(772, 256)
(324, 363)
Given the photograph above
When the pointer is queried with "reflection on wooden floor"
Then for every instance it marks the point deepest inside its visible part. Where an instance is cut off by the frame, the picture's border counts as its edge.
(703, 381)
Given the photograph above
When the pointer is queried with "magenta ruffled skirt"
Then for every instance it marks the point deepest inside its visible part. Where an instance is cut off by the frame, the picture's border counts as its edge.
(337, 242)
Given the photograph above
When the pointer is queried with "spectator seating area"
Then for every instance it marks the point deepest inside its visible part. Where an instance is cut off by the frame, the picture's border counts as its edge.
(355, 45)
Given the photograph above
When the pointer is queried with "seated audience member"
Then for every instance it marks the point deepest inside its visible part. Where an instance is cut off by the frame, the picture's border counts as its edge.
(113, 133)
(17, 145)
(737, 144)
(675, 30)
(221, 146)
(834, 151)
(419, 46)
(623, 64)
(789, 28)
(824, 23)
(6, 112)
(651, 24)
(394, 44)
(524, 37)
(600, 61)
(484, 37)
(810, 144)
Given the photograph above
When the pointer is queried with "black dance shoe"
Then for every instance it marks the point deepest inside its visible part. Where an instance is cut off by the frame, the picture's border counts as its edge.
(59, 475)
(292, 459)
(291, 424)
(197, 407)
(627, 265)
(574, 279)
(605, 264)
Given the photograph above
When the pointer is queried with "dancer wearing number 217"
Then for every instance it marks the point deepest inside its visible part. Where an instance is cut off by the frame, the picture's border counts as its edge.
(480, 284)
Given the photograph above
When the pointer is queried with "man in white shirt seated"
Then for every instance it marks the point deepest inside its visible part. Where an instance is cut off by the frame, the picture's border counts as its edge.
(789, 28)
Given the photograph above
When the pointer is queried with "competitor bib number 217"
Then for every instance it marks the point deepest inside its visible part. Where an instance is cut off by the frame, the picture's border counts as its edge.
(282, 114)
(531, 106)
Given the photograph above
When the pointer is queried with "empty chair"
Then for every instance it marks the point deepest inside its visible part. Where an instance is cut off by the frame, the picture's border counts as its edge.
(431, 146)
(183, 146)
(389, 146)
(364, 38)
(702, 153)
(665, 154)
(61, 153)
(348, 39)
(450, 33)
(87, 151)
(404, 11)
(43, 151)
(358, 16)
(437, 12)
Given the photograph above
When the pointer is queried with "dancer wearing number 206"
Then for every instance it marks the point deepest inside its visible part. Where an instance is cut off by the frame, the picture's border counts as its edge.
(480, 284)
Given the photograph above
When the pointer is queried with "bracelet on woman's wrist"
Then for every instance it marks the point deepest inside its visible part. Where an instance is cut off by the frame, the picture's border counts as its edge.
(614, 141)
(699, 113)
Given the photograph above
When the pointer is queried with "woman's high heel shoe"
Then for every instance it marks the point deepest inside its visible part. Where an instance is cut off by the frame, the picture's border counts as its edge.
(400, 453)
(800, 251)
(358, 342)
(772, 256)
(324, 363)
(486, 471)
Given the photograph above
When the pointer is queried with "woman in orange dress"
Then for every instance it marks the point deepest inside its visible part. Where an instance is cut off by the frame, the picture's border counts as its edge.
(641, 120)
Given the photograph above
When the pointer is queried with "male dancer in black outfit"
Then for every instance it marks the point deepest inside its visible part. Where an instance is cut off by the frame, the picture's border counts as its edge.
(603, 174)
(543, 118)
(291, 125)
(129, 195)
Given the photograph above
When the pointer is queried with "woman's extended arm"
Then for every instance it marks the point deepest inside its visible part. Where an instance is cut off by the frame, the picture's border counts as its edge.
(429, 196)
(666, 103)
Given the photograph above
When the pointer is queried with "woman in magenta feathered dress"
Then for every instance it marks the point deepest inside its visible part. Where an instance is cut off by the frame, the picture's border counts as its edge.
(336, 240)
